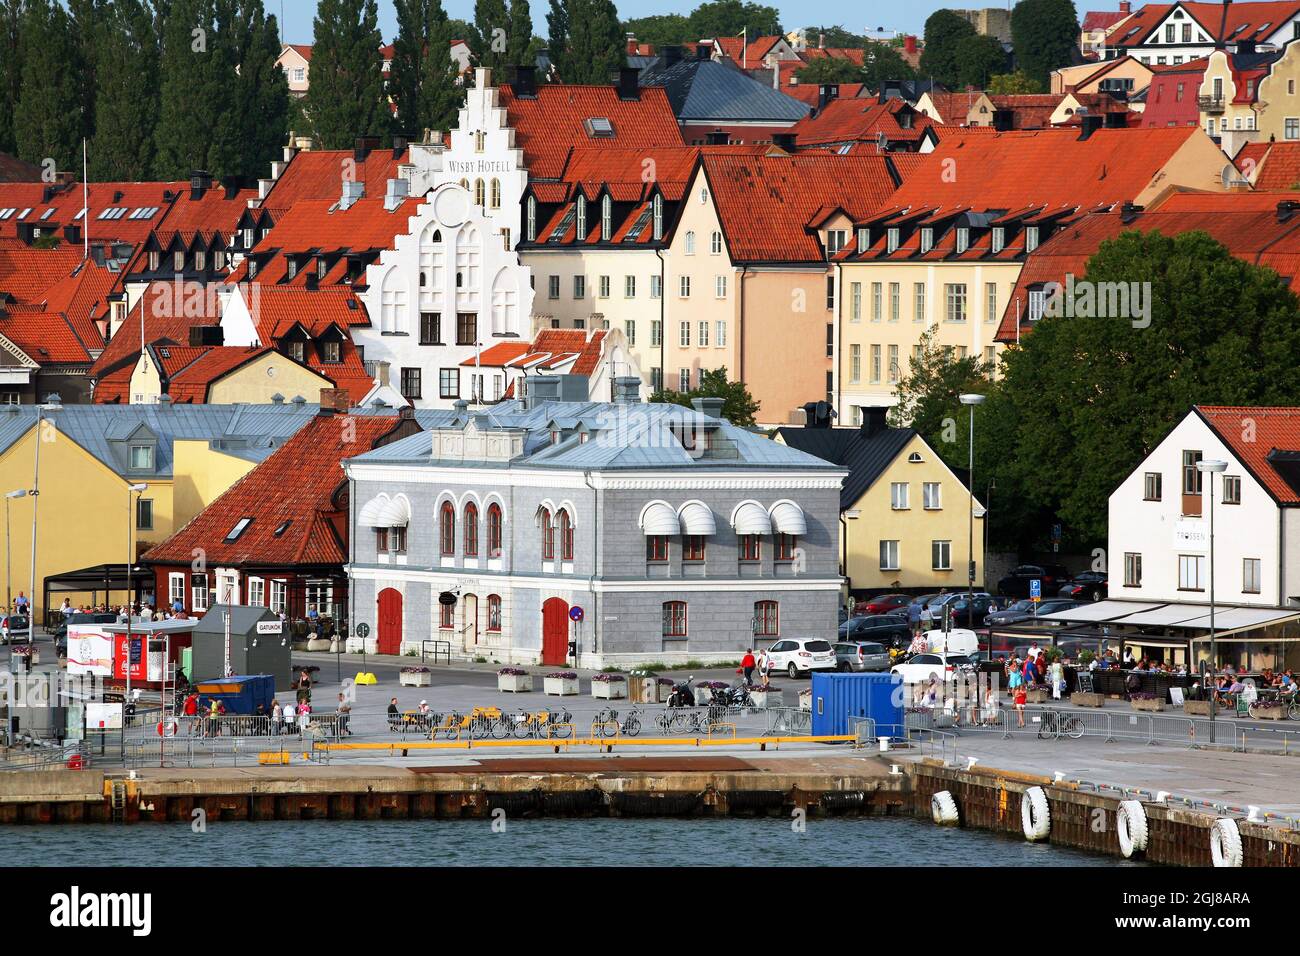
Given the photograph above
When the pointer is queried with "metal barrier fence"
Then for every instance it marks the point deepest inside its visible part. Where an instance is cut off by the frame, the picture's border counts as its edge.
(788, 720)
(436, 650)
(48, 757)
(328, 725)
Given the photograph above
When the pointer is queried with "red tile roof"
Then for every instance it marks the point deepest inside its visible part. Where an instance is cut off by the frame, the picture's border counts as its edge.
(215, 211)
(317, 174)
(765, 202)
(195, 375)
(1279, 169)
(748, 56)
(1270, 428)
(53, 212)
(83, 300)
(302, 49)
(551, 124)
(168, 315)
(808, 93)
(1250, 16)
(1249, 157)
(296, 484)
(27, 273)
(860, 120)
(552, 348)
(954, 107)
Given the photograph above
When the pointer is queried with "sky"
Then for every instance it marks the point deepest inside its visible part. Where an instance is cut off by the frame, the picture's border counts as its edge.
(855, 15)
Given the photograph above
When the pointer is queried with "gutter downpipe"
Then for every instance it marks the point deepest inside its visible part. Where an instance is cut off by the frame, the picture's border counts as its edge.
(844, 556)
(663, 318)
(740, 328)
(591, 578)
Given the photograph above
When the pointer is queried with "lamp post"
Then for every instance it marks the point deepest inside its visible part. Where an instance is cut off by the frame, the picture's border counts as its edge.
(52, 405)
(1210, 466)
(9, 593)
(130, 601)
(970, 400)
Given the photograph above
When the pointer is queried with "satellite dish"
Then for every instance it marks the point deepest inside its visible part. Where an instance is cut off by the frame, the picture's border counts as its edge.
(1231, 176)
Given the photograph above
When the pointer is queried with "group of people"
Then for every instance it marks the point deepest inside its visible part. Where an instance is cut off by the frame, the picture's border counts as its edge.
(749, 665)
(142, 610)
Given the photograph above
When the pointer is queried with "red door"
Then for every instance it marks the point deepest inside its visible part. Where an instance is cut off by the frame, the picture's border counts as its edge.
(390, 621)
(555, 631)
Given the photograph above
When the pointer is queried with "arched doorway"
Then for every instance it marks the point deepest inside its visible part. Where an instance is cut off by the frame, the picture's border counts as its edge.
(555, 631)
(470, 602)
(389, 632)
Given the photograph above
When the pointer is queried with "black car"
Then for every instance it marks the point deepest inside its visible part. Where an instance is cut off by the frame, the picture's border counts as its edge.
(1023, 611)
(886, 629)
(960, 616)
(1086, 586)
(1050, 577)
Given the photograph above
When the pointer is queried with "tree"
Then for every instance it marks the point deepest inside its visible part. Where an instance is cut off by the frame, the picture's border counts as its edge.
(439, 95)
(943, 31)
(835, 37)
(729, 18)
(825, 69)
(491, 26)
(1087, 398)
(977, 58)
(11, 71)
(262, 93)
(881, 62)
(671, 29)
(928, 397)
(346, 97)
(738, 406)
(594, 48)
(1045, 36)
(188, 110)
(126, 104)
(521, 49)
(1013, 84)
(408, 54)
(88, 20)
(48, 116)
(557, 31)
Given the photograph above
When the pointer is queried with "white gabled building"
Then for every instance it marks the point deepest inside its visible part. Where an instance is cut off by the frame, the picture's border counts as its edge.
(449, 289)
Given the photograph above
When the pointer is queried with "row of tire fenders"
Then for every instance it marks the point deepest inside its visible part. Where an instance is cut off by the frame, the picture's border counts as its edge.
(1130, 825)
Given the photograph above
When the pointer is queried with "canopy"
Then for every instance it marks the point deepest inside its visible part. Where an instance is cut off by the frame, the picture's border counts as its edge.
(788, 518)
(751, 518)
(385, 512)
(659, 519)
(696, 518)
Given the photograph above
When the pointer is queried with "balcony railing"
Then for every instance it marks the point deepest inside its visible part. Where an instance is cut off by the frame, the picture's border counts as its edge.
(1210, 104)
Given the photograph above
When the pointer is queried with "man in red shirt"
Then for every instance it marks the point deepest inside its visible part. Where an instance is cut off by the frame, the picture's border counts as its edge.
(747, 665)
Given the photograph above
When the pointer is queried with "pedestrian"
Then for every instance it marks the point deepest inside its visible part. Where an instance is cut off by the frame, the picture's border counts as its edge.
(66, 609)
(765, 667)
(1016, 677)
(345, 711)
(1020, 699)
(277, 715)
(289, 715)
(747, 665)
(304, 685)
(1057, 673)
(914, 618)
(304, 715)
(425, 717)
(214, 712)
(991, 704)
(394, 715)
(927, 618)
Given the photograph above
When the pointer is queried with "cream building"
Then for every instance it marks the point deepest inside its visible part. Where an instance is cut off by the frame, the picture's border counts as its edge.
(1277, 108)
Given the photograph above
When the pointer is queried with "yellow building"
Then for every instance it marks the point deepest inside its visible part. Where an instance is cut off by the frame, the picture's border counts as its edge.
(1228, 95)
(905, 516)
(1277, 107)
(90, 457)
(221, 375)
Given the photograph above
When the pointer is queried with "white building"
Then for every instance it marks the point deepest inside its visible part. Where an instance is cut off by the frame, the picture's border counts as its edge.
(1168, 34)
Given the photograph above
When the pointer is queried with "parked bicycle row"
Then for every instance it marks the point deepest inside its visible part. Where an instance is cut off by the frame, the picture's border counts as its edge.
(556, 724)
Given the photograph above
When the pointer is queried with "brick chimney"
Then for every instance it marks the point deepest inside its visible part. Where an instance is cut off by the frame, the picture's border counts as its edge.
(909, 43)
(334, 400)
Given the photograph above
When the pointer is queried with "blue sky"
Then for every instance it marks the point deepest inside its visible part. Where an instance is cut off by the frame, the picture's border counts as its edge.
(855, 15)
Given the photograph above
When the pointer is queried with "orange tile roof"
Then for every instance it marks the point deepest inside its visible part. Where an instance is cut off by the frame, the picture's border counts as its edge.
(296, 484)
(317, 174)
(1279, 169)
(192, 381)
(748, 56)
(553, 123)
(168, 316)
(28, 274)
(44, 335)
(1252, 16)
(1270, 428)
(211, 213)
(64, 205)
(859, 120)
(1249, 157)
(808, 93)
(765, 202)
(83, 299)
(551, 348)
(954, 107)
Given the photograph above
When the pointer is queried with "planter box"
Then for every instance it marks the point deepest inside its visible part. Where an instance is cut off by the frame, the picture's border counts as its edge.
(1196, 708)
(415, 680)
(766, 698)
(1154, 706)
(609, 689)
(703, 696)
(1038, 696)
(318, 644)
(1271, 713)
(515, 683)
(1083, 699)
(656, 693)
(560, 686)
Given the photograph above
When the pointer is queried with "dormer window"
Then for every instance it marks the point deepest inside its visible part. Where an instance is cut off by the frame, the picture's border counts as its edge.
(200, 260)
(155, 261)
(532, 219)
(927, 239)
(296, 351)
(864, 239)
(252, 268)
(658, 206)
(1031, 238)
(248, 237)
(322, 267)
(291, 267)
(892, 240)
(606, 218)
(142, 457)
(582, 218)
(963, 239)
(999, 238)
(178, 261)
(330, 351)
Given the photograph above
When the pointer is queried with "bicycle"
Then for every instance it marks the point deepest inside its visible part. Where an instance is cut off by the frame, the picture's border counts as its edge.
(606, 723)
(1054, 724)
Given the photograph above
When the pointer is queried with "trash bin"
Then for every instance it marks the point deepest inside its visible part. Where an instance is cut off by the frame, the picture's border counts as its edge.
(636, 690)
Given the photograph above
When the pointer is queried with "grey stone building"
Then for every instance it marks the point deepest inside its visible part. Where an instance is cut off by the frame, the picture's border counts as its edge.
(636, 532)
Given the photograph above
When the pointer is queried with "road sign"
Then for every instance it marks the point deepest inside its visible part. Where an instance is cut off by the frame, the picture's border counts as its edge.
(1035, 590)
(576, 613)
(363, 630)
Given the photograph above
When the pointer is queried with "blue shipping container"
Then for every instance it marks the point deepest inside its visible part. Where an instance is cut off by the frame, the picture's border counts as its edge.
(837, 697)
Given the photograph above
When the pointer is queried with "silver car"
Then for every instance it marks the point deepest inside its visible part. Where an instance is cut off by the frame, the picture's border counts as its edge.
(860, 656)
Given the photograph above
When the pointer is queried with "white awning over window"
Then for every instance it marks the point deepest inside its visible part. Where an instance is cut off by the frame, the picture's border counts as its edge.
(369, 515)
(751, 518)
(659, 518)
(385, 512)
(696, 518)
(788, 518)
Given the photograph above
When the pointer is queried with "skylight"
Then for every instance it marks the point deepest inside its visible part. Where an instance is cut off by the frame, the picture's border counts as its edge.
(238, 529)
(47, 214)
(113, 212)
(5, 214)
(600, 126)
(144, 212)
(283, 527)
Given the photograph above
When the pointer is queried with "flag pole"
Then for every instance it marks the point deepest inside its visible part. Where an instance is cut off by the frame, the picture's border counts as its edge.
(85, 201)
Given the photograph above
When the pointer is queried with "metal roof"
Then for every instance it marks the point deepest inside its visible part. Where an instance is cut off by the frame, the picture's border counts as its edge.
(705, 90)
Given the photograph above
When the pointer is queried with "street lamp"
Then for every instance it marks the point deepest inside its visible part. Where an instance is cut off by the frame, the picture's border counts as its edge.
(1210, 466)
(52, 405)
(970, 400)
(9, 593)
(130, 597)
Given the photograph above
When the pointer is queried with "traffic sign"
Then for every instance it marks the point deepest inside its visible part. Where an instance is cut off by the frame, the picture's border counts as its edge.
(1035, 590)
(363, 630)
(576, 613)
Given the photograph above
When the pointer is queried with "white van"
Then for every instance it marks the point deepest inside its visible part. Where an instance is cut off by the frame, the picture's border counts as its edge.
(961, 640)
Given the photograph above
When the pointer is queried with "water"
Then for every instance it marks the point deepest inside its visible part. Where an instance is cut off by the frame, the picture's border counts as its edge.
(840, 841)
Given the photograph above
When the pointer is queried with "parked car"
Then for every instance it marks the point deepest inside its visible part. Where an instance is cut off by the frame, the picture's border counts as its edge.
(1086, 586)
(1024, 611)
(958, 640)
(882, 604)
(957, 607)
(1008, 614)
(884, 629)
(16, 628)
(802, 655)
(919, 668)
(1050, 576)
(861, 656)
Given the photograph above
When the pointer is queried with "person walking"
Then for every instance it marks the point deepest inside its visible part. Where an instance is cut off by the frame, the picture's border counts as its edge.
(927, 619)
(914, 618)
(290, 716)
(304, 686)
(345, 712)
(1057, 672)
(277, 715)
(764, 667)
(747, 665)
(304, 715)
(1020, 700)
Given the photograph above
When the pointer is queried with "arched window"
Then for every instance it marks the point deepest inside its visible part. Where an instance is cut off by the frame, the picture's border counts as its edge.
(674, 619)
(606, 218)
(494, 612)
(447, 615)
(496, 193)
(566, 536)
(471, 530)
(715, 243)
(468, 257)
(531, 228)
(767, 619)
(494, 531)
(690, 243)
(548, 537)
(479, 137)
(448, 528)
(433, 260)
(479, 194)
(464, 184)
(582, 218)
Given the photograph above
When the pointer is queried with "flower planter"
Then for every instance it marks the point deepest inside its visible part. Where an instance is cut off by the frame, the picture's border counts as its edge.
(1084, 699)
(1268, 713)
(1196, 708)
(767, 698)
(1039, 695)
(515, 683)
(1155, 706)
(415, 680)
(609, 689)
(560, 686)
(318, 644)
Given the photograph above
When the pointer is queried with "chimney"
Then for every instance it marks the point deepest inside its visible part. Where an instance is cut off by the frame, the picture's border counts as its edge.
(631, 44)
(200, 183)
(703, 52)
(396, 193)
(1129, 212)
(399, 144)
(1089, 125)
(825, 93)
(627, 390)
(628, 88)
(230, 187)
(1246, 46)
(277, 399)
(164, 402)
(1125, 7)
(205, 335)
(525, 81)
(362, 147)
(671, 55)
(819, 414)
(334, 400)
(312, 281)
(1286, 209)
(785, 141)
(710, 406)
(353, 190)
(873, 420)
(72, 233)
(716, 138)
(909, 44)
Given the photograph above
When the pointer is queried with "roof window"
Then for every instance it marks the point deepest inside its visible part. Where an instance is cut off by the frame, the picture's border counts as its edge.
(240, 527)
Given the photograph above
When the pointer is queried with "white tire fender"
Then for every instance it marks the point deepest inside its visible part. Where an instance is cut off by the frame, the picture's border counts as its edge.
(943, 809)
(1131, 827)
(1225, 843)
(1035, 815)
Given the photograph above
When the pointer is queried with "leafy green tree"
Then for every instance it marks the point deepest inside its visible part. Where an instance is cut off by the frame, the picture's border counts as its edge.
(928, 397)
(346, 96)
(836, 37)
(48, 115)
(978, 58)
(738, 406)
(557, 31)
(825, 69)
(1045, 36)
(521, 47)
(189, 93)
(11, 71)
(262, 93)
(126, 104)
(491, 25)
(408, 54)
(727, 18)
(671, 29)
(594, 48)
(881, 62)
(1013, 84)
(87, 19)
(439, 95)
(943, 31)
